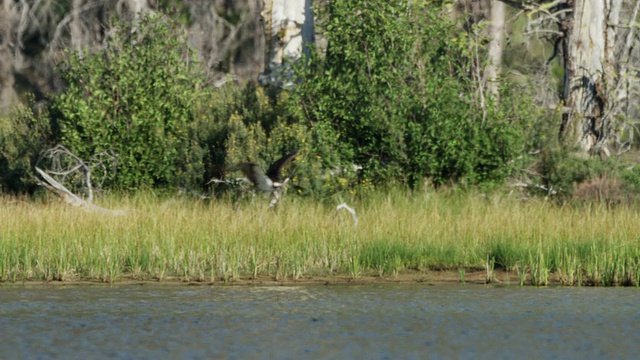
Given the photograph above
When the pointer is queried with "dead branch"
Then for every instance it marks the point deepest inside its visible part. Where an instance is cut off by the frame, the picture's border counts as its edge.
(70, 198)
(75, 172)
(71, 169)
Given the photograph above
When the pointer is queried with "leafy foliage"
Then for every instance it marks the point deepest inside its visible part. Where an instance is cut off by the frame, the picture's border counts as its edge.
(134, 98)
(392, 97)
(27, 133)
(236, 125)
(394, 91)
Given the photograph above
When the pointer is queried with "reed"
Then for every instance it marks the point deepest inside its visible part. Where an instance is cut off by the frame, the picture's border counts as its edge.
(398, 232)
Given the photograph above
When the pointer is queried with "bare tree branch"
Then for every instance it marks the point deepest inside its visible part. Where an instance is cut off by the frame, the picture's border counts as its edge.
(71, 169)
(69, 197)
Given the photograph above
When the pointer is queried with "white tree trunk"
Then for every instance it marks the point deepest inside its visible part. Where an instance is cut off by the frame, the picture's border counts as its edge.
(134, 7)
(495, 47)
(7, 78)
(590, 41)
(288, 27)
(76, 26)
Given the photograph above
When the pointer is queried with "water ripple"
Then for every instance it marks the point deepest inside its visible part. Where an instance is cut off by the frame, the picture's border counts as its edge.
(372, 322)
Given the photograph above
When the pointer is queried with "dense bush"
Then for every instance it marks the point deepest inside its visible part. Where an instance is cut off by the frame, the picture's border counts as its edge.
(25, 134)
(554, 171)
(134, 98)
(238, 124)
(394, 90)
(393, 94)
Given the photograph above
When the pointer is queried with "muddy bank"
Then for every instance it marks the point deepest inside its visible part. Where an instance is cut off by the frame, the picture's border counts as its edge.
(429, 278)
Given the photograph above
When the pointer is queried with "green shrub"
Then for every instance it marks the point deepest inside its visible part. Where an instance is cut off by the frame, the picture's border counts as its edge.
(631, 177)
(26, 133)
(394, 92)
(237, 124)
(135, 98)
(392, 95)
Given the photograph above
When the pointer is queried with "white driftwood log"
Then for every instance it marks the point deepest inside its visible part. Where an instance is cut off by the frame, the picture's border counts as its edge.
(70, 198)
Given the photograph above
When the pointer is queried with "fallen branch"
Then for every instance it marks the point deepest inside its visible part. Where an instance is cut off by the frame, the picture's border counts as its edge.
(70, 198)
(71, 169)
(74, 172)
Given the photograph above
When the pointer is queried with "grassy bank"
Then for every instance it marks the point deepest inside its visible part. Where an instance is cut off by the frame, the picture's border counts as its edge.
(183, 239)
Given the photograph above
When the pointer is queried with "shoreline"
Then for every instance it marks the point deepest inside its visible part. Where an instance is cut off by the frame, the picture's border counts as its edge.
(423, 278)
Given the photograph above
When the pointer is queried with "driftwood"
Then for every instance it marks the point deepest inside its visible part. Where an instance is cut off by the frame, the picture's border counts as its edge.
(68, 166)
(70, 198)
(75, 173)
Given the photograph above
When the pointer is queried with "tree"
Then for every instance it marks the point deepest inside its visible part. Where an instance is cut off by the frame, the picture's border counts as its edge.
(585, 34)
(495, 47)
(588, 38)
(227, 36)
(485, 22)
(394, 93)
(7, 79)
(135, 99)
(289, 33)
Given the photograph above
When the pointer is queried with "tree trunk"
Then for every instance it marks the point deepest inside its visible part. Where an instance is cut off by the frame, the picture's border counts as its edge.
(588, 44)
(76, 27)
(496, 44)
(7, 78)
(288, 27)
(133, 8)
(621, 86)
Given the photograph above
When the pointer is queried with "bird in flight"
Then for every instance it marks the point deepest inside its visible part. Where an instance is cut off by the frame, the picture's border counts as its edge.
(271, 181)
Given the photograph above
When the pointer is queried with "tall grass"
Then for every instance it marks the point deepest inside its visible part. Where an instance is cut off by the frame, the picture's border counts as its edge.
(397, 232)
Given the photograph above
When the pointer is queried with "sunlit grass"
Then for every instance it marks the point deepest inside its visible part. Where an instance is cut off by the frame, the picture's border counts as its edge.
(189, 240)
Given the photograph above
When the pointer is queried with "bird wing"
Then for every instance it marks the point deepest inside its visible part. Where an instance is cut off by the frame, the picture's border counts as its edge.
(275, 170)
(256, 175)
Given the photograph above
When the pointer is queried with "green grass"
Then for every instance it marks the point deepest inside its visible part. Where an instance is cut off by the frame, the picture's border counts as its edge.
(398, 232)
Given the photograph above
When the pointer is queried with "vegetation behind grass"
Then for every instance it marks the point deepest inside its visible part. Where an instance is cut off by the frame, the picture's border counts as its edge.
(398, 232)
(393, 98)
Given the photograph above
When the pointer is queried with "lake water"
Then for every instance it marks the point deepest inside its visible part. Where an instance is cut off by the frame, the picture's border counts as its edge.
(318, 322)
